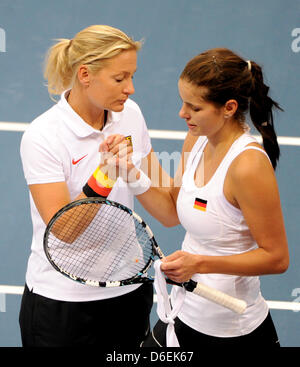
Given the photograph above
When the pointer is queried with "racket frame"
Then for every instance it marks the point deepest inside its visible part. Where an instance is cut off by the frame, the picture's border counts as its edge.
(137, 278)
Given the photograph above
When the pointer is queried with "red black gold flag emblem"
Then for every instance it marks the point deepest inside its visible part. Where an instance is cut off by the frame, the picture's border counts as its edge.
(200, 204)
(129, 139)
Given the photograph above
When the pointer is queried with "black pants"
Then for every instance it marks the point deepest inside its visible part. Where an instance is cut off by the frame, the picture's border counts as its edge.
(263, 336)
(116, 322)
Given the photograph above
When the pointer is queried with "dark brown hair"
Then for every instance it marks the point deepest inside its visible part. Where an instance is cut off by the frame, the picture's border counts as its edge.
(227, 76)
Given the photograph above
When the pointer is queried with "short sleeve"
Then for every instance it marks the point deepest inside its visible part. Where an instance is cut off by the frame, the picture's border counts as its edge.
(40, 159)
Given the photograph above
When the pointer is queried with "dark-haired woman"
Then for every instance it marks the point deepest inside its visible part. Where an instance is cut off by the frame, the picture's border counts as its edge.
(227, 199)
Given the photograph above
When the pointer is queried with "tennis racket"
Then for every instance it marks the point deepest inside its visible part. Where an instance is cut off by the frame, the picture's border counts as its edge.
(102, 243)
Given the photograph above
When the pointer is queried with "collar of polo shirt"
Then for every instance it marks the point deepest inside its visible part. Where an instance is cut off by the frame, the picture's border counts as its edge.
(77, 124)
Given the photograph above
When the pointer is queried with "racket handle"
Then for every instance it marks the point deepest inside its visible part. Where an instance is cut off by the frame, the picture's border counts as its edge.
(223, 299)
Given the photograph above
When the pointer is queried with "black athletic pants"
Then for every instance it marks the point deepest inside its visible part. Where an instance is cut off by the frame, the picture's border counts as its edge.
(263, 336)
(116, 322)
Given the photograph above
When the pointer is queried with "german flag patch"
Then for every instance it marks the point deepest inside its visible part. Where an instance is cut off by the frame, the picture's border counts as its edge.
(200, 204)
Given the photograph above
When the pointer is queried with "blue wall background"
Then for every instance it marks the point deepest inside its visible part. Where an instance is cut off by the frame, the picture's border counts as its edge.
(174, 31)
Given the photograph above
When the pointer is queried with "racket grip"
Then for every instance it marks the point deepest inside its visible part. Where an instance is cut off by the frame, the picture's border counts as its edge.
(214, 295)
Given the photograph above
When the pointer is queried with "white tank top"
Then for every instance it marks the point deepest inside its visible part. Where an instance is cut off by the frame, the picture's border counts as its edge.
(215, 227)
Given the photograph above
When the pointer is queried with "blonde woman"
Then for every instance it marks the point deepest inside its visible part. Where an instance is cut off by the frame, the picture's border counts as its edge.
(60, 151)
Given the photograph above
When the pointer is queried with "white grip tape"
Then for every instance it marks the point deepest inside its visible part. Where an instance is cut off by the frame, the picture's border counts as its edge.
(234, 304)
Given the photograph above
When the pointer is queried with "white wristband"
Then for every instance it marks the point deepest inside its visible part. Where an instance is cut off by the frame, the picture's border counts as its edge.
(141, 185)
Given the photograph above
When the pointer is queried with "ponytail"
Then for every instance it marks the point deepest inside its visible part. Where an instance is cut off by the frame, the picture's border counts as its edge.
(261, 113)
(58, 71)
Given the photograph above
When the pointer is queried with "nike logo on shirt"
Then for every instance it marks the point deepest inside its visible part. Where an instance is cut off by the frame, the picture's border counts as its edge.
(78, 160)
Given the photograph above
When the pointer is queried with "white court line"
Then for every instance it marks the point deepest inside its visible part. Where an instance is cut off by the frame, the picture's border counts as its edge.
(13, 126)
(275, 305)
(155, 134)
(11, 289)
(281, 305)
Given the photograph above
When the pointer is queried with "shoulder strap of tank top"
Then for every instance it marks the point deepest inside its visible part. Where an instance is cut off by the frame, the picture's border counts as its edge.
(198, 146)
(243, 144)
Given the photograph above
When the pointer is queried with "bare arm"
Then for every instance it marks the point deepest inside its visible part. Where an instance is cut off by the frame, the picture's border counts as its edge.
(50, 197)
(160, 199)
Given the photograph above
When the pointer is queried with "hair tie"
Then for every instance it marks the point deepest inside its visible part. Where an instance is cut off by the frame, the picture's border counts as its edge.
(265, 123)
(249, 64)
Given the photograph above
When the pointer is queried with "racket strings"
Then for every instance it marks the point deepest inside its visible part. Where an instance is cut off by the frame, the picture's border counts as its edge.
(107, 245)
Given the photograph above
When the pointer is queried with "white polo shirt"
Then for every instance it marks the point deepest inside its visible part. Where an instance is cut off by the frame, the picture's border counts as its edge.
(59, 146)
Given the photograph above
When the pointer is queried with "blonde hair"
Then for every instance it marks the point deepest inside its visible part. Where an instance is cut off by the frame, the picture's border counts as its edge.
(91, 46)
